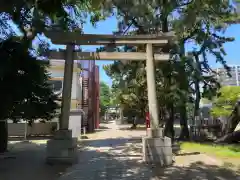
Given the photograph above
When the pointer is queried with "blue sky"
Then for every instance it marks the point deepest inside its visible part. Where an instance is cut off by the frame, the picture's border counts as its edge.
(103, 27)
(110, 25)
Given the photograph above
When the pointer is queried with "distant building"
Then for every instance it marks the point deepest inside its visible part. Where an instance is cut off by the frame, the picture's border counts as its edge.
(225, 80)
(56, 71)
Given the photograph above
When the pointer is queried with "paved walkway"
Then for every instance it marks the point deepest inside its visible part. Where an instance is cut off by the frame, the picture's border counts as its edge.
(110, 154)
(115, 154)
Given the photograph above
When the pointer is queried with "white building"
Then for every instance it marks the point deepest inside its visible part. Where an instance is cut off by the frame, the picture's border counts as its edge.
(225, 80)
(57, 76)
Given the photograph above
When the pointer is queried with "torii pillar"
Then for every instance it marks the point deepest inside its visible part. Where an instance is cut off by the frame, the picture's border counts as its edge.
(156, 148)
(62, 148)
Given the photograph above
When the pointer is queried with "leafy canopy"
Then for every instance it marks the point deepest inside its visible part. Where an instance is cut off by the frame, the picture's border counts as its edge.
(226, 100)
(105, 97)
(25, 90)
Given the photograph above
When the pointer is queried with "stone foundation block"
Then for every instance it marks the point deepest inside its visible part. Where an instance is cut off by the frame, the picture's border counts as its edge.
(63, 134)
(157, 151)
(154, 132)
(62, 148)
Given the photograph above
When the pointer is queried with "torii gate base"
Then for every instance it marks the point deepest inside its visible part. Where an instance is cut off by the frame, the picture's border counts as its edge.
(156, 148)
(62, 148)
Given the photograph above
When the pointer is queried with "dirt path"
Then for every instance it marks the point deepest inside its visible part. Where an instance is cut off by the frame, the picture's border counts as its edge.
(110, 154)
(113, 154)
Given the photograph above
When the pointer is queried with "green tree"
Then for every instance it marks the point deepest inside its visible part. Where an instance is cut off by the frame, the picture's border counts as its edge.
(105, 97)
(225, 101)
(25, 93)
(28, 19)
(201, 22)
(227, 104)
(33, 17)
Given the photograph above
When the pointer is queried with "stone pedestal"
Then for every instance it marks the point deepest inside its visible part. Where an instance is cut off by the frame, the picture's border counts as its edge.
(62, 148)
(154, 132)
(156, 148)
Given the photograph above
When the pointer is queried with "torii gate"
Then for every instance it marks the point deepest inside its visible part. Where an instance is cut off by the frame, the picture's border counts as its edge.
(64, 150)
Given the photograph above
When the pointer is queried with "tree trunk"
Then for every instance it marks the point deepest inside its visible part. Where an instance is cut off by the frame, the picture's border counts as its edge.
(169, 129)
(232, 121)
(121, 117)
(184, 134)
(233, 137)
(197, 87)
(232, 133)
(3, 136)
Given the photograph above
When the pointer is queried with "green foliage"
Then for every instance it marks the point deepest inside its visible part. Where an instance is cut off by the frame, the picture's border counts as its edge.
(205, 101)
(225, 151)
(105, 97)
(225, 101)
(33, 17)
(202, 23)
(25, 93)
(129, 85)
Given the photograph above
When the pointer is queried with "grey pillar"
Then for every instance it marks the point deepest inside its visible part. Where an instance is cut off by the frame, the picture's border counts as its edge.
(156, 148)
(151, 87)
(67, 87)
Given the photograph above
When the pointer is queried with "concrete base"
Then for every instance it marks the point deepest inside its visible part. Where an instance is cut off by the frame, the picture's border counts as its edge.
(157, 150)
(154, 132)
(62, 148)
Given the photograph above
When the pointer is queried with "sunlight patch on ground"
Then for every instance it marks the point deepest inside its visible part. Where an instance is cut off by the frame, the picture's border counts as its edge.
(228, 154)
(230, 151)
(42, 141)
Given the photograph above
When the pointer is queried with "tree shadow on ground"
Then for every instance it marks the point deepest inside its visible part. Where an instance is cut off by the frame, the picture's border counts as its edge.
(105, 121)
(28, 163)
(197, 171)
(113, 159)
(138, 128)
(101, 128)
(142, 127)
(21, 138)
(122, 161)
(110, 142)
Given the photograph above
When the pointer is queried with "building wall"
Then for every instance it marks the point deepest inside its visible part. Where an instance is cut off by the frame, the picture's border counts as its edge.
(57, 74)
(225, 80)
(47, 128)
(18, 129)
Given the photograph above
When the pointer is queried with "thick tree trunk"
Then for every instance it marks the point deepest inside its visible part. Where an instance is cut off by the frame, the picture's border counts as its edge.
(232, 133)
(197, 86)
(184, 134)
(233, 137)
(232, 123)
(121, 118)
(169, 129)
(3, 136)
